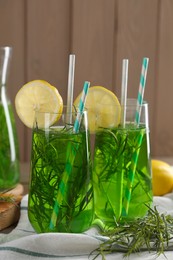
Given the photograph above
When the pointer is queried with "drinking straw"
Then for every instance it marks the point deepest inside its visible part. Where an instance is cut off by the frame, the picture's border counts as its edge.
(71, 153)
(120, 175)
(70, 89)
(141, 90)
(130, 180)
(128, 189)
(124, 91)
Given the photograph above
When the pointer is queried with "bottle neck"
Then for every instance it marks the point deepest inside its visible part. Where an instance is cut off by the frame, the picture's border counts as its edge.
(5, 55)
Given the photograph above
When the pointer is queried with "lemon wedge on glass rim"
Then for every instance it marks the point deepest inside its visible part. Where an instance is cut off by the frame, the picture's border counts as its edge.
(103, 107)
(38, 95)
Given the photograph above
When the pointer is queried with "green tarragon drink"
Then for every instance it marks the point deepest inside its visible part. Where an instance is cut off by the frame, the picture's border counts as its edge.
(9, 157)
(114, 149)
(50, 150)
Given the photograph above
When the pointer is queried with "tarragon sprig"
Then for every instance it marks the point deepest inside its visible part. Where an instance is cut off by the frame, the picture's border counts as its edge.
(152, 233)
(7, 198)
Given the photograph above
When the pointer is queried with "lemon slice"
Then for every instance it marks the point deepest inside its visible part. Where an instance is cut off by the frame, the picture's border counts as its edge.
(103, 108)
(38, 95)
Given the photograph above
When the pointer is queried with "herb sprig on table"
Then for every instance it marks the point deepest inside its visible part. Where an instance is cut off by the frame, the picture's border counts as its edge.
(7, 198)
(151, 233)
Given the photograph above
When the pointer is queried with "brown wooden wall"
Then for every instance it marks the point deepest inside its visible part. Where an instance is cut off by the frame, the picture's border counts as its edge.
(100, 33)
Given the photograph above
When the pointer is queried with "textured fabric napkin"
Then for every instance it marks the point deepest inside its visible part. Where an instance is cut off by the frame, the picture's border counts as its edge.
(24, 243)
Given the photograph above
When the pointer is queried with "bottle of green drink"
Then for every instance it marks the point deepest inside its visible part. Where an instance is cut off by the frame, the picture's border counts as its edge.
(9, 154)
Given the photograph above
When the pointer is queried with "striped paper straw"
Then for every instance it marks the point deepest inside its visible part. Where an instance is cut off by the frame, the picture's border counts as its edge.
(71, 153)
(81, 107)
(141, 90)
(128, 189)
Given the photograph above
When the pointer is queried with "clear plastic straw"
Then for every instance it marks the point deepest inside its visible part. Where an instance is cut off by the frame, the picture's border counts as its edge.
(125, 65)
(120, 175)
(70, 89)
(128, 189)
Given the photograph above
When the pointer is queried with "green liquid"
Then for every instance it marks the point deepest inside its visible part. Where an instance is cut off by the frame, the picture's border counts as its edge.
(9, 157)
(112, 162)
(48, 161)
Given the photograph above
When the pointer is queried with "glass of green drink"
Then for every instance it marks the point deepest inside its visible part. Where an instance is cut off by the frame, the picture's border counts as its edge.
(122, 169)
(60, 174)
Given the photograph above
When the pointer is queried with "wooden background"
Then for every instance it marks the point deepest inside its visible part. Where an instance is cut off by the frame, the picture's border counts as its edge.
(100, 33)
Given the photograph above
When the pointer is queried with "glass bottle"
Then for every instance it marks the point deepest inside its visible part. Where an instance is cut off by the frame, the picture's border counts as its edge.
(9, 154)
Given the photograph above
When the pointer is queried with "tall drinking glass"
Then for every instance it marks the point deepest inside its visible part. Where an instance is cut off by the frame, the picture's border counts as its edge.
(122, 169)
(60, 175)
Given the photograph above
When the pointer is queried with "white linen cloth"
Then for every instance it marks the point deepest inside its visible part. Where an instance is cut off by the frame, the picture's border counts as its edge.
(23, 243)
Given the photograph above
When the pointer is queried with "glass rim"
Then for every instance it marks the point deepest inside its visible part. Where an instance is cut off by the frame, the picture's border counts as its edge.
(64, 111)
(133, 102)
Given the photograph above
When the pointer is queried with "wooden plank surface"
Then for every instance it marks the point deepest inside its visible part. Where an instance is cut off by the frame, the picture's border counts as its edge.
(48, 42)
(101, 33)
(164, 95)
(12, 28)
(47, 46)
(137, 38)
(92, 42)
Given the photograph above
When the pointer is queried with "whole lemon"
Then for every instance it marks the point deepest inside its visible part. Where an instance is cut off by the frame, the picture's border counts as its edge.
(162, 177)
